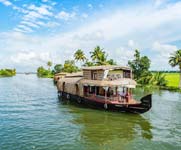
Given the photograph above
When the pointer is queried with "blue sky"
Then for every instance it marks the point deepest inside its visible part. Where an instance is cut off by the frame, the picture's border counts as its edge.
(35, 31)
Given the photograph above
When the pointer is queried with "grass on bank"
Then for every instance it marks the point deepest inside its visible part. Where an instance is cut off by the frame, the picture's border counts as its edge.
(172, 79)
(172, 82)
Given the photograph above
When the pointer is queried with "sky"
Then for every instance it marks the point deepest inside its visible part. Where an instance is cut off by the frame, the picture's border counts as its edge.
(33, 32)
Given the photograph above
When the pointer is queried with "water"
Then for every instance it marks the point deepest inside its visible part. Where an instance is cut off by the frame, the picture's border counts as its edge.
(32, 118)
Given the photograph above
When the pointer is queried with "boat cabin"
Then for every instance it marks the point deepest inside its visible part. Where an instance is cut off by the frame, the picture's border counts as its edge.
(108, 87)
(111, 83)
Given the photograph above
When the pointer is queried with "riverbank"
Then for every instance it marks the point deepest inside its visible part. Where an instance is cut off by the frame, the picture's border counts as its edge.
(172, 82)
(7, 72)
(46, 76)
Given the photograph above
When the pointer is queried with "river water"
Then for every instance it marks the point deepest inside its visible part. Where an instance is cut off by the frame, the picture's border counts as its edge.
(32, 118)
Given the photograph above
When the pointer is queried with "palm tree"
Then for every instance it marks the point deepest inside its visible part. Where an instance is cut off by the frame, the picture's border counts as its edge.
(49, 64)
(175, 60)
(79, 55)
(111, 62)
(99, 56)
(88, 63)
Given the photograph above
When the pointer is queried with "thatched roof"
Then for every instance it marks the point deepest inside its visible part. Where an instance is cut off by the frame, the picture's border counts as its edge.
(126, 82)
(70, 80)
(61, 74)
(75, 74)
(106, 67)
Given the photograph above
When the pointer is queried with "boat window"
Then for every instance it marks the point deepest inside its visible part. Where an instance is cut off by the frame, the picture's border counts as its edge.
(94, 75)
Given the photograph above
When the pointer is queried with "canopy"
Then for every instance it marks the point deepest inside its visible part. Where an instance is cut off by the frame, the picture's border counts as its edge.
(122, 82)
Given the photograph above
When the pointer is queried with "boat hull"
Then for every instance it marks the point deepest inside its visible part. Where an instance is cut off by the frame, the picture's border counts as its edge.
(138, 108)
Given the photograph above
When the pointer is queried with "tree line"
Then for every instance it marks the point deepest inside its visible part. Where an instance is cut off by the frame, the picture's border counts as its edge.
(140, 66)
(97, 57)
(7, 72)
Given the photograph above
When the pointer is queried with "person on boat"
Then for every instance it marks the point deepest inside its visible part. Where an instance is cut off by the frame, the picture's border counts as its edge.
(122, 94)
(127, 96)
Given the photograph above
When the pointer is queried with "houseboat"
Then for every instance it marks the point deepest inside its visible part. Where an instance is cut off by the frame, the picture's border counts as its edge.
(103, 87)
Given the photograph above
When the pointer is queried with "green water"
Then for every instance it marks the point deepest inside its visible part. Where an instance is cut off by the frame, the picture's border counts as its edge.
(32, 118)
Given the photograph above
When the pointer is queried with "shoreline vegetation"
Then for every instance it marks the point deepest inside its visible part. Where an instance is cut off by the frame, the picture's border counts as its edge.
(7, 72)
(140, 65)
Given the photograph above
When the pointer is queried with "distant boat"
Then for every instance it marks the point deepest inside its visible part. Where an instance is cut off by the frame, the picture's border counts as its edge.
(102, 87)
(27, 73)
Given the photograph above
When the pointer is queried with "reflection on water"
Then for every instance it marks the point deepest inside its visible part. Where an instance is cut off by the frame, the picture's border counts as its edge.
(31, 117)
(101, 127)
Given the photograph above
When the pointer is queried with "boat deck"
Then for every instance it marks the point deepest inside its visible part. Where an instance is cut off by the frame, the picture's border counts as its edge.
(111, 100)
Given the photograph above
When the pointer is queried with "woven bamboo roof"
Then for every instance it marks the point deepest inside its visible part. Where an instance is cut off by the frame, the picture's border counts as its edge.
(106, 67)
(126, 82)
(119, 82)
(70, 80)
(61, 73)
(75, 74)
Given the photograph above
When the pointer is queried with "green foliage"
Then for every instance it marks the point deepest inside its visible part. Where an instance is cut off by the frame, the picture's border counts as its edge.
(79, 55)
(172, 79)
(111, 62)
(99, 57)
(58, 68)
(88, 63)
(140, 66)
(175, 60)
(69, 66)
(153, 79)
(49, 64)
(7, 72)
(158, 79)
(44, 73)
(145, 78)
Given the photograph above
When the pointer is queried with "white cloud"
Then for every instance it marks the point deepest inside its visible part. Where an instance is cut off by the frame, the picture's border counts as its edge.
(30, 24)
(119, 32)
(122, 55)
(25, 28)
(162, 54)
(65, 15)
(30, 57)
(51, 24)
(164, 49)
(20, 9)
(19, 30)
(159, 2)
(31, 17)
(43, 9)
(6, 2)
(131, 43)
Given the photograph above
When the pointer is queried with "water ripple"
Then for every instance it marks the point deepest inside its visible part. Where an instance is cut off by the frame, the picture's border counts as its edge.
(32, 118)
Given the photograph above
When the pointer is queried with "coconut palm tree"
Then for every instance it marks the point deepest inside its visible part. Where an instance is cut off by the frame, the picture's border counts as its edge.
(88, 63)
(99, 56)
(49, 64)
(79, 55)
(175, 60)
